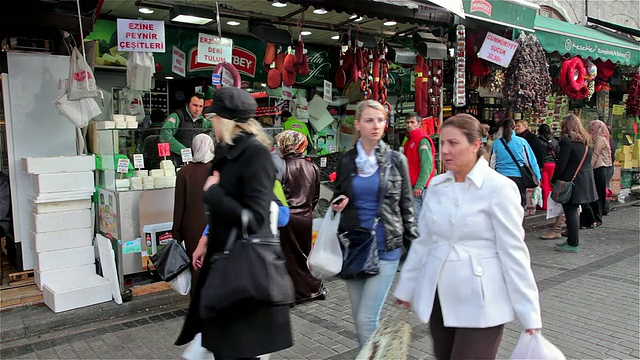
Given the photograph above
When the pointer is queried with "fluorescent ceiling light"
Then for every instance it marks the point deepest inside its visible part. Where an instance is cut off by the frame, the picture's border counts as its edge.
(320, 11)
(353, 17)
(233, 23)
(144, 10)
(278, 4)
(390, 23)
(359, 19)
(168, 77)
(305, 33)
(335, 37)
(192, 15)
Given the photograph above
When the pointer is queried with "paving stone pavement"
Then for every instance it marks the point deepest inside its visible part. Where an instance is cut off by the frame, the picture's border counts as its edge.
(590, 306)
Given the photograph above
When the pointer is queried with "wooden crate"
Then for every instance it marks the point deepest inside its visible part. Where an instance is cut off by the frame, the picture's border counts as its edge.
(21, 278)
(19, 296)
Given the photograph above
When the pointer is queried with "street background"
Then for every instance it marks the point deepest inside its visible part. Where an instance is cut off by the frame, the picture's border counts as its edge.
(590, 309)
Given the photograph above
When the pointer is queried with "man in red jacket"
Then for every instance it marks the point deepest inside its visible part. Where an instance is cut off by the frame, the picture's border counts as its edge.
(420, 153)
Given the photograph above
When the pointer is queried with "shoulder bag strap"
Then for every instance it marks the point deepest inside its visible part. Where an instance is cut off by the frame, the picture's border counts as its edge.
(586, 150)
(384, 190)
(510, 153)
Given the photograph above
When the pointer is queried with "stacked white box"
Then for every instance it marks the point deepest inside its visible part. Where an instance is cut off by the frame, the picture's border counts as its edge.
(62, 234)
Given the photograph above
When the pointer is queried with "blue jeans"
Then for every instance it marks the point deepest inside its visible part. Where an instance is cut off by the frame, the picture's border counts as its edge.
(367, 297)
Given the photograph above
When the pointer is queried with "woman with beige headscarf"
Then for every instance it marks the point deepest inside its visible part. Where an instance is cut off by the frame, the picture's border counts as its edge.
(301, 183)
(591, 216)
(189, 219)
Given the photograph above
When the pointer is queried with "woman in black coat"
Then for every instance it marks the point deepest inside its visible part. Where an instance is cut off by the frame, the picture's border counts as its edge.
(243, 177)
(573, 144)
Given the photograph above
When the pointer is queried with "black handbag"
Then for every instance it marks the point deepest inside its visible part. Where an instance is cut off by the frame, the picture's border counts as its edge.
(529, 180)
(562, 190)
(359, 246)
(170, 261)
(250, 270)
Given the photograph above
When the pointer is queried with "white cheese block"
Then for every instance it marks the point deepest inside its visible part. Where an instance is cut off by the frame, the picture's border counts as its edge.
(60, 259)
(46, 277)
(167, 164)
(156, 172)
(170, 172)
(147, 180)
(148, 187)
(104, 125)
(122, 183)
(135, 181)
(76, 293)
(132, 125)
(130, 118)
(59, 164)
(59, 221)
(121, 124)
(141, 173)
(165, 181)
(60, 240)
(61, 182)
(118, 117)
(62, 205)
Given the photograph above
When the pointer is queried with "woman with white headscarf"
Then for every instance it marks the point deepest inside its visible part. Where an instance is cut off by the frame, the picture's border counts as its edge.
(189, 219)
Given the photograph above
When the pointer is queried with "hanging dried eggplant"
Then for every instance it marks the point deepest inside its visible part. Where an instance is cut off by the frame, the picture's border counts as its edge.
(633, 101)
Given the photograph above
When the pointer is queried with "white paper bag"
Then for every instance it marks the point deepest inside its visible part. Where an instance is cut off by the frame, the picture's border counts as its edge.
(325, 259)
(530, 347)
(182, 283)
(79, 111)
(195, 351)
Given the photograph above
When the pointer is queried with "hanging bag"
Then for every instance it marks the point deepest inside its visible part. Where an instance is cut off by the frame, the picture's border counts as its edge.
(82, 84)
(562, 190)
(390, 341)
(535, 347)
(250, 270)
(528, 177)
(325, 258)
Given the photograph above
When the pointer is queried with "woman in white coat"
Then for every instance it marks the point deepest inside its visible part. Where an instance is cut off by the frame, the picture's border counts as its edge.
(469, 271)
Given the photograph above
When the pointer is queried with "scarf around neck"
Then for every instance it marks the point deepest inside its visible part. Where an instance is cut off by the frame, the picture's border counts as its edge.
(367, 164)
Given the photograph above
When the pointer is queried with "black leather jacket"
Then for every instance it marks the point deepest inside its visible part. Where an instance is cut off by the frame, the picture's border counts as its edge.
(397, 207)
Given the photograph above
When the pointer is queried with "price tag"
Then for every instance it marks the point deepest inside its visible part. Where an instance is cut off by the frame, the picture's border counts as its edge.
(164, 149)
(618, 109)
(138, 161)
(323, 162)
(333, 149)
(187, 156)
(327, 93)
(123, 165)
(216, 79)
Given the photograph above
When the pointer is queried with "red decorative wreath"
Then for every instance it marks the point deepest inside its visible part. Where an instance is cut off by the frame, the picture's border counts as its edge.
(572, 79)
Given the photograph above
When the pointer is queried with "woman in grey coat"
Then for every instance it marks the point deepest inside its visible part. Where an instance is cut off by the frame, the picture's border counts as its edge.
(574, 142)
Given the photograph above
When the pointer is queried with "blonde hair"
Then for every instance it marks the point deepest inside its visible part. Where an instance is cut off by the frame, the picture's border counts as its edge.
(368, 104)
(523, 122)
(573, 129)
(229, 129)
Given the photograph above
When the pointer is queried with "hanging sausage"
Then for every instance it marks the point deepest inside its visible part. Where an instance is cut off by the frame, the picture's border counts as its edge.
(459, 90)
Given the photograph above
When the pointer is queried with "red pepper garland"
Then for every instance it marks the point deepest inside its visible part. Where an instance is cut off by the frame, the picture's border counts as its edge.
(633, 101)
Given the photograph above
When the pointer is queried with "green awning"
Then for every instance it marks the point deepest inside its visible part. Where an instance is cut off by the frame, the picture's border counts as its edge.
(577, 40)
(517, 14)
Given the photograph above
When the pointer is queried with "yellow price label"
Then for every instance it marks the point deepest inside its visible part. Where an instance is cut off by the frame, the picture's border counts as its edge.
(618, 109)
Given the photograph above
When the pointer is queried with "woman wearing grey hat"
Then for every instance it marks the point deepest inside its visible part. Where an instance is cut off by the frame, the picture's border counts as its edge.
(242, 178)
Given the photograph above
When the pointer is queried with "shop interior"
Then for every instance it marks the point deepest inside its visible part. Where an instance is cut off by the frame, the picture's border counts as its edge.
(410, 59)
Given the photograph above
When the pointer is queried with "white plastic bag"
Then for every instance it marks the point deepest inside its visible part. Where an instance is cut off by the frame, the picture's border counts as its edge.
(325, 259)
(131, 103)
(535, 347)
(79, 111)
(195, 351)
(536, 197)
(554, 209)
(182, 283)
(302, 109)
(82, 84)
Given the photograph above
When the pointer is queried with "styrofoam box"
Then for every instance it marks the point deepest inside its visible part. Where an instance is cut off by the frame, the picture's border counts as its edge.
(60, 240)
(46, 277)
(60, 259)
(76, 293)
(62, 206)
(59, 221)
(71, 181)
(59, 164)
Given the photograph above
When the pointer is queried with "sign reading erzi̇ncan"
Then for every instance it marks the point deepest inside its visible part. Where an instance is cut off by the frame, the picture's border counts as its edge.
(140, 35)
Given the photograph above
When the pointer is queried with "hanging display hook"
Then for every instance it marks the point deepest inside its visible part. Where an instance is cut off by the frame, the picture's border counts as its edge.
(218, 20)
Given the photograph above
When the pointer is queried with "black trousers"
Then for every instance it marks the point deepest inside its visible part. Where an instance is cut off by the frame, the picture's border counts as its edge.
(573, 223)
(593, 212)
(521, 188)
(462, 343)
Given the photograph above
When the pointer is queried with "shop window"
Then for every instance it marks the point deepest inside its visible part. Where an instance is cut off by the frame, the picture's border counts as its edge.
(550, 12)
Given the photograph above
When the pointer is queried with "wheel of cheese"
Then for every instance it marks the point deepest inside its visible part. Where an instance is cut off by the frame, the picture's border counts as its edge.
(237, 81)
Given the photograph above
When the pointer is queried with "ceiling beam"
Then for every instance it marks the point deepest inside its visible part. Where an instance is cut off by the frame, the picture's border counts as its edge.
(40, 19)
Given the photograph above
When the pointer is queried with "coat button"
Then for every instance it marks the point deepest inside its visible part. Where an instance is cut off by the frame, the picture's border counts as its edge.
(433, 219)
(452, 222)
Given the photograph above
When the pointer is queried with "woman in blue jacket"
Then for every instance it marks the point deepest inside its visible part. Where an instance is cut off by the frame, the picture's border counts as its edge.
(502, 162)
